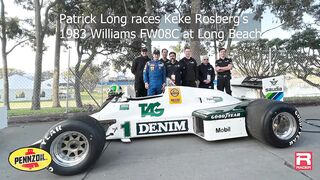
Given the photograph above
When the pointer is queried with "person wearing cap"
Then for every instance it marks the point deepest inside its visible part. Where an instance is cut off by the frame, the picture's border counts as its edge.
(223, 68)
(154, 75)
(164, 54)
(173, 69)
(206, 73)
(137, 69)
(189, 69)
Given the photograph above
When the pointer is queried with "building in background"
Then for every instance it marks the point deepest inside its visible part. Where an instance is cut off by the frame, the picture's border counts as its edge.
(21, 88)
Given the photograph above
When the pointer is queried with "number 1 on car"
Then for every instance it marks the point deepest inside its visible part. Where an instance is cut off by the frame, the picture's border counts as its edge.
(126, 127)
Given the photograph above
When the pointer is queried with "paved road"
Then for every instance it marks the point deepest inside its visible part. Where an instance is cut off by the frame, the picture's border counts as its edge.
(177, 157)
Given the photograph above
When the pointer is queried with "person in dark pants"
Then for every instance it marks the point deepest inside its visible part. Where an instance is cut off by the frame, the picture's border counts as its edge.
(206, 74)
(173, 69)
(223, 68)
(137, 69)
(154, 75)
(164, 54)
(189, 69)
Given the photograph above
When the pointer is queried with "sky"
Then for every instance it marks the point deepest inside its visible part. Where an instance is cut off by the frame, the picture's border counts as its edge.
(23, 57)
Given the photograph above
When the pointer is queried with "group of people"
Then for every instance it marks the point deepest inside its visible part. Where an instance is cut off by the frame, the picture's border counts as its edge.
(152, 75)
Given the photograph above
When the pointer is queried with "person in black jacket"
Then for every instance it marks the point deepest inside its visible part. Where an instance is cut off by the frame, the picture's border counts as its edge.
(173, 69)
(206, 74)
(137, 69)
(189, 69)
(223, 67)
(164, 54)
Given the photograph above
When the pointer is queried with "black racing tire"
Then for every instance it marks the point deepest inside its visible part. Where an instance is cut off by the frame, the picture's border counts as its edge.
(74, 145)
(273, 122)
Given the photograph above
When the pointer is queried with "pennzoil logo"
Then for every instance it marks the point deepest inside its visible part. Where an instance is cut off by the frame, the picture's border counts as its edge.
(175, 96)
(29, 159)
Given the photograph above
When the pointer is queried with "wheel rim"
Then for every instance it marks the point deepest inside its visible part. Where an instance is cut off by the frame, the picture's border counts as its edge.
(69, 148)
(284, 125)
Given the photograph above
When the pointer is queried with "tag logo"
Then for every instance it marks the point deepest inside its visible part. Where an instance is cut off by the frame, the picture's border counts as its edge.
(303, 161)
(151, 110)
(29, 159)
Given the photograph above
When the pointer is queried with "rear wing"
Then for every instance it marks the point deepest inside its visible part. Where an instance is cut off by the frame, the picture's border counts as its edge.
(254, 88)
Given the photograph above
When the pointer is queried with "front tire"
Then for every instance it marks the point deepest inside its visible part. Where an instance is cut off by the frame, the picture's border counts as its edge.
(74, 145)
(273, 122)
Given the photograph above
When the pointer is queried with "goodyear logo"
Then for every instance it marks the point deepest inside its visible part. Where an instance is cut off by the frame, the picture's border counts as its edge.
(227, 115)
(29, 159)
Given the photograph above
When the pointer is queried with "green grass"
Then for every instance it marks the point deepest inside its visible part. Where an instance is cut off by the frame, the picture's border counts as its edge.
(86, 99)
(42, 111)
(23, 108)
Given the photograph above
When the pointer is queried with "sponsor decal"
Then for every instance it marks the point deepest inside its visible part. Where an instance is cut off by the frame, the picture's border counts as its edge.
(275, 96)
(277, 88)
(50, 134)
(273, 88)
(300, 128)
(303, 161)
(223, 130)
(162, 127)
(151, 109)
(227, 115)
(274, 82)
(212, 99)
(175, 96)
(29, 159)
(124, 107)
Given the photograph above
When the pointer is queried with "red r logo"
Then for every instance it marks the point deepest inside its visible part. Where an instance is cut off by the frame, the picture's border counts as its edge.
(303, 161)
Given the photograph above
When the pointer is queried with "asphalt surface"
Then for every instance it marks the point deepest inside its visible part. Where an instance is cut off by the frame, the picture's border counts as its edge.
(177, 157)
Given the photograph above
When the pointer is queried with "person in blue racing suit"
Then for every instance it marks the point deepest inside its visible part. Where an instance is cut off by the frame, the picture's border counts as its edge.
(154, 75)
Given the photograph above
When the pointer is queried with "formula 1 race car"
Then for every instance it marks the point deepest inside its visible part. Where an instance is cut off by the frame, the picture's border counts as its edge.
(76, 143)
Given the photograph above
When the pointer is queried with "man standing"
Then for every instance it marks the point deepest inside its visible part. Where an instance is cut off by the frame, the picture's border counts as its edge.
(206, 74)
(223, 67)
(154, 75)
(137, 69)
(164, 54)
(173, 69)
(189, 69)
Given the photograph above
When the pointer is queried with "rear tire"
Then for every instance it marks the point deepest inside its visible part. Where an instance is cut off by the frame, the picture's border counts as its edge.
(74, 145)
(273, 122)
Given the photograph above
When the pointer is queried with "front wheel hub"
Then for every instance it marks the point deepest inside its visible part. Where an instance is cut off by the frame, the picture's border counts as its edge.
(69, 148)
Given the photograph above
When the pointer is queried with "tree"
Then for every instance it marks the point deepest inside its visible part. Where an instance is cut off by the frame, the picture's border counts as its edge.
(11, 71)
(251, 58)
(149, 12)
(56, 71)
(290, 13)
(91, 77)
(195, 43)
(303, 53)
(10, 29)
(212, 8)
(177, 49)
(88, 48)
(41, 30)
(46, 75)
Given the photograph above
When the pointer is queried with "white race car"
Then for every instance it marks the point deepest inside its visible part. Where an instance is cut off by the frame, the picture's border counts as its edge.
(76, 143)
